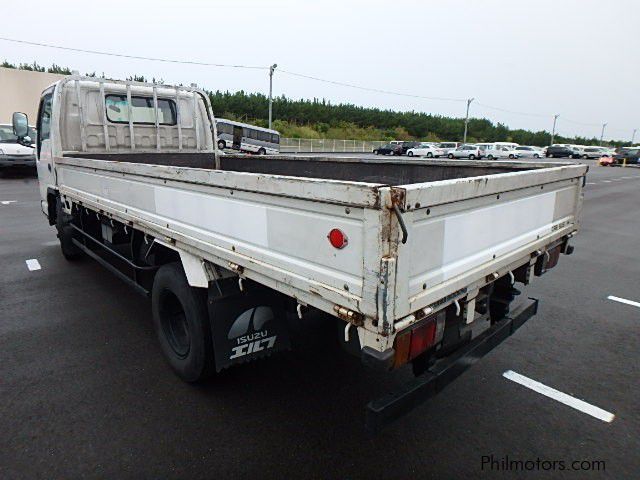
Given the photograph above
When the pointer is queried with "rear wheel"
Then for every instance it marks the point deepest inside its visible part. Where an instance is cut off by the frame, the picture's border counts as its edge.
(585, 156)
(450, 156)
(490, 156)
(377, 152)
(535, 155)
(221, 144)
(181, 322)
(262, 151)
(512, 156)
(472, 157)
(410, 153)
(429, 155)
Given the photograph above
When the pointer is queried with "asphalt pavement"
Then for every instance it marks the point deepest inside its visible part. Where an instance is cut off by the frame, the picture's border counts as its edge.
(85, 392)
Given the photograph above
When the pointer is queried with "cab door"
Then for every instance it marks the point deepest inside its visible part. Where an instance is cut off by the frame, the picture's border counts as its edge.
(44, 154)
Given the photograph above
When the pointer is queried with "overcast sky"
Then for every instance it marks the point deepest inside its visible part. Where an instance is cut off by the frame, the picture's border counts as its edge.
(576, 58)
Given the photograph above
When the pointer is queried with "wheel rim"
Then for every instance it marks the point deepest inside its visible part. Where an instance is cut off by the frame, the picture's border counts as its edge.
(410, 154)
(174, 324)
(429, 155)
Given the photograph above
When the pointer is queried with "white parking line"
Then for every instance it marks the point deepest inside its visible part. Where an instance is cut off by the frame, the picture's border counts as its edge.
(561, 397)
(591, 183)
(606, 181)
(7, 202)
(624, 300)
(33, 264)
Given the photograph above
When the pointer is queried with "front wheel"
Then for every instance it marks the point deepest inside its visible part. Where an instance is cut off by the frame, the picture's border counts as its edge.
(221, 144)
(535, 155)
(410, 154)
(376, 152)
(429, 155)
(181, 323)
(490, 156)
(70, 250)
(450, 156)
(511, 156)
(262, 151)
(472, 157)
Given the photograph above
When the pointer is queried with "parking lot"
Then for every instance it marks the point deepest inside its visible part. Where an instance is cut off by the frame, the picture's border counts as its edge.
(85, 391)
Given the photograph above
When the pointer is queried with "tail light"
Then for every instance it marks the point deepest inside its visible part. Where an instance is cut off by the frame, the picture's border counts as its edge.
(418, 339)
(338, 238)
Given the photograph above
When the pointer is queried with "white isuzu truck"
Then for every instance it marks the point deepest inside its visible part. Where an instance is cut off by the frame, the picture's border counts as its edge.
(415, 259)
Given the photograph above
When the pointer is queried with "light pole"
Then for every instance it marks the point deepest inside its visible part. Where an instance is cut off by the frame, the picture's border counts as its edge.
(602, 133)
(466, 121)
(633, 137)
(271, 69)
(553, 132)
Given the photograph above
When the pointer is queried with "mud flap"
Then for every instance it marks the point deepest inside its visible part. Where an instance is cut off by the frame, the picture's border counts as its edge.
(245, 325)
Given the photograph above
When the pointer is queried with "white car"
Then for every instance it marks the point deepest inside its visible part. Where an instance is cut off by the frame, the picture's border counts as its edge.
(428, 150)
(14, 154)
(447, 147)
(492, 151)
(529, 152)
(469, 151)
(596, 152)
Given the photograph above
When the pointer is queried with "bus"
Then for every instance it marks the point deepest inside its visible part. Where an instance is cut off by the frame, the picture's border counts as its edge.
(247, 138)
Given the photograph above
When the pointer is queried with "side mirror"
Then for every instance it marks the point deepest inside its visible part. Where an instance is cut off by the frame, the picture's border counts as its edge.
(20, 124)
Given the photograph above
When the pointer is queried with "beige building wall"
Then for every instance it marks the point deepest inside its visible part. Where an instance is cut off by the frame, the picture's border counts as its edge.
(20, 92)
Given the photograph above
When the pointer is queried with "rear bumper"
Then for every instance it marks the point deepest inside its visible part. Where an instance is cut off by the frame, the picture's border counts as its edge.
(385, 409)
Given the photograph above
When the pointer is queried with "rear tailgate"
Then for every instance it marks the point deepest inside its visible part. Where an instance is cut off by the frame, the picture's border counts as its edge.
(461, 230)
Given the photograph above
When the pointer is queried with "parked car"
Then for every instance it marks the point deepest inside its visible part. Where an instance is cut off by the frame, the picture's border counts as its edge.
(466, 151)
(596, 152)
(389, 149)
(447, 147)
(529, 152)
(407, 145)
(628, 156)
(495, 150)
(557, 151)
(15, 153)
(425, 150)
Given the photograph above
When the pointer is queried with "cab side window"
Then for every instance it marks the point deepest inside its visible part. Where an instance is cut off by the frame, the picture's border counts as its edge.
(44, 119)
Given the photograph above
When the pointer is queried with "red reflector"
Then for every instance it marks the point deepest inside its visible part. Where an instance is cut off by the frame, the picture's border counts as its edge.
(337, 238)
(422, 338)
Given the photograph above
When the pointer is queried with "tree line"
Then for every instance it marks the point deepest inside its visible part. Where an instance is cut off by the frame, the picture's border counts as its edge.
(319, 118)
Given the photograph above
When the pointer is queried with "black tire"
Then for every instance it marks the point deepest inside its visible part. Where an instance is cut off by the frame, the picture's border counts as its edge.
(182, 325)
(221, 145)
(535, 155)
(585, 156)
(376, 152)
(450, 156)
(472, 157)
(550, 155)
(511, 156)
(429, 155)
(410, 154)
(65, 234)
(490, 156)
(262, 151)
